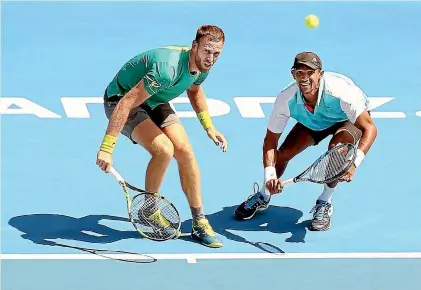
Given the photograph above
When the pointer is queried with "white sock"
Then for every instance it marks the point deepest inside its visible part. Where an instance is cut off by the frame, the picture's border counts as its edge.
(327, 194)
(269, 173)
(265, 193)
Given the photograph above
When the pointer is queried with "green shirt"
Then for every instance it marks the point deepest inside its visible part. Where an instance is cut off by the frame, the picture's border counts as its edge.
(165, 72)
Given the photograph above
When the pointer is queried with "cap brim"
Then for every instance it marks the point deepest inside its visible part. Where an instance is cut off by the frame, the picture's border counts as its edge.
(306, 63)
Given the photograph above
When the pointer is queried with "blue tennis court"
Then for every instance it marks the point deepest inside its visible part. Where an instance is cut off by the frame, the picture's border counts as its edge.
(57, 59)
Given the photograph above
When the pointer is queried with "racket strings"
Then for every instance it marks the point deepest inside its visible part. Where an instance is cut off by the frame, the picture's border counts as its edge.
(332, 164)
(113, 254)
(155, 217)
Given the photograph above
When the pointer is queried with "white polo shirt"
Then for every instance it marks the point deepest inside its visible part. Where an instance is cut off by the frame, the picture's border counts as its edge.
(339, 99)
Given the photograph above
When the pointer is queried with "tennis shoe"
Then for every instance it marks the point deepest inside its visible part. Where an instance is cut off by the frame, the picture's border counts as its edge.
(203, 232)
(252, 205)
(322, 213)
(161, 222)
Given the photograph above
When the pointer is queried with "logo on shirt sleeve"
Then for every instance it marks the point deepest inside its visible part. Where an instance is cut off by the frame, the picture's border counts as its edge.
(153, 84)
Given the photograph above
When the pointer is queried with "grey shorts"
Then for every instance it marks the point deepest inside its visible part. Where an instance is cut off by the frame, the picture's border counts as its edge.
(162, 116)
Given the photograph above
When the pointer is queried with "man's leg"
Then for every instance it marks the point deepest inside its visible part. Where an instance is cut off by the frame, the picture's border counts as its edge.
(344, 132)
(187, 166)
(149, 136)
(140, 129)
(298, 139)
(190, 182)
(189, 173)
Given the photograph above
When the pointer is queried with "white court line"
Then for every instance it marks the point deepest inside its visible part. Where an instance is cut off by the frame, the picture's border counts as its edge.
(198, 1)
(192, 258)
(390, 115)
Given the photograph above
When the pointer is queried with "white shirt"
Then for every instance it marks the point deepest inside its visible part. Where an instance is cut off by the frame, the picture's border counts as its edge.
(339, 99)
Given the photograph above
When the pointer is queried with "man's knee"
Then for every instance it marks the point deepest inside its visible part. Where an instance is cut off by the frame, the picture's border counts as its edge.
(162, 147)
(345, 135)
(183, 151)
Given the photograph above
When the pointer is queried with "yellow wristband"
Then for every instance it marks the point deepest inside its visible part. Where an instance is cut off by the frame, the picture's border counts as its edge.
(108, 143)
(205, 119)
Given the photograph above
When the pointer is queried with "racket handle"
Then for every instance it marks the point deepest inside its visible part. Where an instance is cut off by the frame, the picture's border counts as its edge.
(117, 175)
(288, 181)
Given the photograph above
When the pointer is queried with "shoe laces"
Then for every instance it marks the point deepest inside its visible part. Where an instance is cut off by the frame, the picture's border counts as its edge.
(206, 227)
(320, 211)
(158, 218)
(254, 199)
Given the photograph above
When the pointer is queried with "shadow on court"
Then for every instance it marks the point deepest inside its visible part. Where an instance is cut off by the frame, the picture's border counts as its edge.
(277, 220)
(38, 228)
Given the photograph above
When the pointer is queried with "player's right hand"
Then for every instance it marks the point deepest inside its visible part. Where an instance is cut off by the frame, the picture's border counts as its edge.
(274, 186)
(104, 160)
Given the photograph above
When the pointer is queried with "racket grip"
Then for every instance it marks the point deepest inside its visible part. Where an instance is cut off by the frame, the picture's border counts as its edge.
(116, 174)
(288, 181)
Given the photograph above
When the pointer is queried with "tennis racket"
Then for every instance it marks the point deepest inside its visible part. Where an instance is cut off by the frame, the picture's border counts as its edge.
(330, 166)
(154, 216)
(112, 254)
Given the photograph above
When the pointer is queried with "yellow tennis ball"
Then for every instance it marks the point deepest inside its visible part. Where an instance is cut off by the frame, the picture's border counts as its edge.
(312, 21)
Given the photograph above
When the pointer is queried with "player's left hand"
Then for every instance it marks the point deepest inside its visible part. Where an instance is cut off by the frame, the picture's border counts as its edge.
(348, 175)
(218, 138)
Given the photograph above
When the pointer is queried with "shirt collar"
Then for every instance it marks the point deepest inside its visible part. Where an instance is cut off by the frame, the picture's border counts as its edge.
(187, 60)
(321, 90)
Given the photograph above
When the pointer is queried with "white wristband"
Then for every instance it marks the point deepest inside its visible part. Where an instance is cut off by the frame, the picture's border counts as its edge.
(359, 158)
(270, 173)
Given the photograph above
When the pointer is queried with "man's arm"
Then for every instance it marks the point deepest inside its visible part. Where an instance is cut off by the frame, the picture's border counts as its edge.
(197, 98)
(198, 101)
(277, 123)
(135, 97)
(355, 105)
(270, 148)
(157, 78)
(365, 123)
